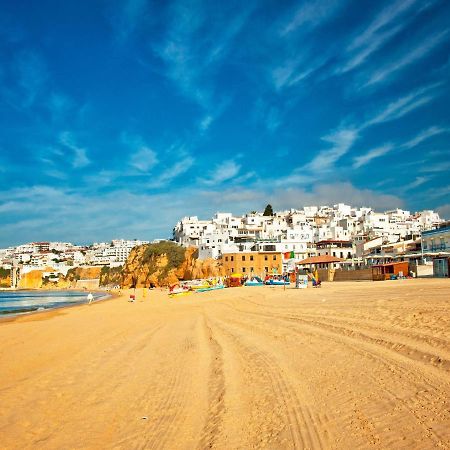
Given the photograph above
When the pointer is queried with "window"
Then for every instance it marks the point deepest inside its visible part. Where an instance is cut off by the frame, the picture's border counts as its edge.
(243, 269)
(274, 257)
(251, 257)
(334, 253)
(243, 257)
(266, 257)
(232, 269)
(266, 269)
(226, 258)
(251, 269)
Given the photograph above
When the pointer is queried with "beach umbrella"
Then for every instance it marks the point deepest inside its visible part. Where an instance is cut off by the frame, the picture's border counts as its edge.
(236, 275)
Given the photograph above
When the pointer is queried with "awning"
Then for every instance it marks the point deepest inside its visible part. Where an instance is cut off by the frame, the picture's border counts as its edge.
(325, 259)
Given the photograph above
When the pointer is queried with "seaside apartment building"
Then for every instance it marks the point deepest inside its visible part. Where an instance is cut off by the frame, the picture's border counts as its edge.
(252, 263)
(436, 245)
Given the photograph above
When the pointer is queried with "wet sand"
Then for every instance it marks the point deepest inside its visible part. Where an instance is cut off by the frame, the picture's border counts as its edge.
(349, 365)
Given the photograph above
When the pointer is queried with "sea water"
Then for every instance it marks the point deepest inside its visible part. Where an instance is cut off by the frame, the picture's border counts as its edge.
(20, 302)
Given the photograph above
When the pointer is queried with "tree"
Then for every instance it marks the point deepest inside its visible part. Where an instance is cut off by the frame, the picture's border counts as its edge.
(268, 211)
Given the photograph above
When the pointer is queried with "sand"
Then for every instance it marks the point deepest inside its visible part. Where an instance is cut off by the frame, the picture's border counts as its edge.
(350, 365)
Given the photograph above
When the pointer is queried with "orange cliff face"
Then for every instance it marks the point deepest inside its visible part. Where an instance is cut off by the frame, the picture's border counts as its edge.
(141, 270)
(34, 279)
(31, 280)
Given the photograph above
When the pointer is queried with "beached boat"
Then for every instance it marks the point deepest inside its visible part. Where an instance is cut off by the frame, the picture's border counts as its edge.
(276, 282)
(180, 293)
(255, 281)
(211, 288)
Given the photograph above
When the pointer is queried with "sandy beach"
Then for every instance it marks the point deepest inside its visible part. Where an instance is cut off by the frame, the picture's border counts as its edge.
(350, 365)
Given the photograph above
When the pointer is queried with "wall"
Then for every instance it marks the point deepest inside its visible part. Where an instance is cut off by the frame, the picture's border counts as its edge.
(353, 275)
(261, 263)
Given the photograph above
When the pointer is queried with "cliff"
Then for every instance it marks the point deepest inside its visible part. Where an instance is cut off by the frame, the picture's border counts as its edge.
(5, 278)
(34, 279)
(166, 263)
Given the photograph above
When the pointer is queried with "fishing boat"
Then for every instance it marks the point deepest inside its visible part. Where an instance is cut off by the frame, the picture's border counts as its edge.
(211, 288)
(278, 281)
(254, 281)
(180, 294)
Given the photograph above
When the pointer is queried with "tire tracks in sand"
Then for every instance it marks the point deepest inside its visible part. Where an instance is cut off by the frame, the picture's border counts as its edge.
(280, 417)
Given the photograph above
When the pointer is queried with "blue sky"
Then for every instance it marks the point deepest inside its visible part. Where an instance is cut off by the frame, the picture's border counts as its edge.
(120, 117)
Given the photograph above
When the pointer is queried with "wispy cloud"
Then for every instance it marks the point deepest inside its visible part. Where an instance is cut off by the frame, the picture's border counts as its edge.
(424, 135)
(435, 167)
(79, 154)
(191, 50)
(127, 17)
(310, 14)
(222, 172)
(144, 159)
(341, 141)
(293, 71)
(409, 58)
(344, 137)
(30, 77)
(404, 105)
(416, 183)
(379, 32)
(172, 172)
(362, 160)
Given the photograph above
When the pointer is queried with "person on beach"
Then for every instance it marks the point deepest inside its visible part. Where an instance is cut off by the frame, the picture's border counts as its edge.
(90, 297)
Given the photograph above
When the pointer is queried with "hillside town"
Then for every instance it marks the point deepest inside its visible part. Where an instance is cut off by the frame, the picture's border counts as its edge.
(57, 258)
(358, 237)
(266, 242)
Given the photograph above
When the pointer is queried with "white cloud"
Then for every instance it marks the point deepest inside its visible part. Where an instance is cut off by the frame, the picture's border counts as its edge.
(223, 172)
(311, 14)
(435, 167)
(402, 106)
(388, 23)
(424, 135)
(144, 159)
(79, 154)
(362, 160)
(172, 172)
(414, 184)
(415, 54)
(206, 122)
(341, 140)
(191, 59)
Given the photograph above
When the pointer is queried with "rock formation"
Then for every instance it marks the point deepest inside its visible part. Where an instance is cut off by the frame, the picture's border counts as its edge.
(166, 263)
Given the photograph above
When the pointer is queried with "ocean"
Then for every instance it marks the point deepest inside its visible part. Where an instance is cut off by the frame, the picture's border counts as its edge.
(21, 302)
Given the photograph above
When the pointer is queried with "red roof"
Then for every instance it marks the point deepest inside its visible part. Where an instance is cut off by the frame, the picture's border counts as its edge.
(325, 259)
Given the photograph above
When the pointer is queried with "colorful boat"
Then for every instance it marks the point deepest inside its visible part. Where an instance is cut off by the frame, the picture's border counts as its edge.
(180, 293)
(211, 288)
(254, 281)
(277, 282)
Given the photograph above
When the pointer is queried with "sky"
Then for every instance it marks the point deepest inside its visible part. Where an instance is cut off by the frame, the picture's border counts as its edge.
(118, 118)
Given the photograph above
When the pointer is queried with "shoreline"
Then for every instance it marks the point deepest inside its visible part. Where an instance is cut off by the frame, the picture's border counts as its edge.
(7, 316)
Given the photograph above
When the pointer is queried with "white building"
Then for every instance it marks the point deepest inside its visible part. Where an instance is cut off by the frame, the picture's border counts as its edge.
(299, 230)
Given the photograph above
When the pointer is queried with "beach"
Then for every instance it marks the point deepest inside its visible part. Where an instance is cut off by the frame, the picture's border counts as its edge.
(348, 365)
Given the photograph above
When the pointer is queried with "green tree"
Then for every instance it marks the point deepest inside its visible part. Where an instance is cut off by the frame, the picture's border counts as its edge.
(268, 211)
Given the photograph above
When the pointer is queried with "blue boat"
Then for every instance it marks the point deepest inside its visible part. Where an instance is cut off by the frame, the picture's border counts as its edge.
(255, 281)
(272, 282)
(212, 288)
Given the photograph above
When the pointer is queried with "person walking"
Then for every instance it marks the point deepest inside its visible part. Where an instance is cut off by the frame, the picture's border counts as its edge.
(90, 297)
